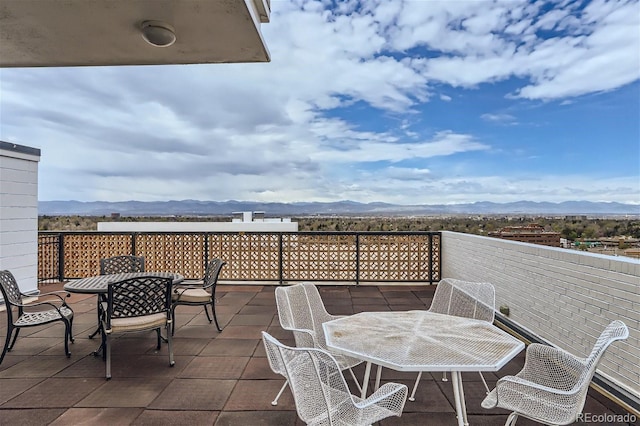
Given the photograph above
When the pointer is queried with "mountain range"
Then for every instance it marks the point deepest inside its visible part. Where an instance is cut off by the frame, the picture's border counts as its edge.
(217, 208)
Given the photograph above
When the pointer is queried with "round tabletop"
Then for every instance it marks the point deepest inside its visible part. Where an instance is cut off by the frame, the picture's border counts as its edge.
(100, 283)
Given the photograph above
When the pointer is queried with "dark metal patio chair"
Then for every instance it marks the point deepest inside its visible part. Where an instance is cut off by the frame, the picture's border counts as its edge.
(199, 294)
(136, 304)
(33, 314)
(116, 265)
(121, 264)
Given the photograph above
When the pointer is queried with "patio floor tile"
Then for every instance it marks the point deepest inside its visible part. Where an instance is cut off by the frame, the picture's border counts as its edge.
(194, 394)
(214, 367)
(175, 418)
(21, 416)
(230, 347)
(125, 392)
(97, 417)
(256, 395)
(273, 418)
(55, 393)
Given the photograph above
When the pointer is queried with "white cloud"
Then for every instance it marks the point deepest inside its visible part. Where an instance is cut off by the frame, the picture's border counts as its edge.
(277, 132)
(499, 118)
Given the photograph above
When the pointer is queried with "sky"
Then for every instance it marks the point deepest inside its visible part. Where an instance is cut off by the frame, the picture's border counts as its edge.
(404, 102)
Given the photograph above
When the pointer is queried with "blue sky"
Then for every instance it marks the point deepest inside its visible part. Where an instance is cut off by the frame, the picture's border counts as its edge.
(407, 102)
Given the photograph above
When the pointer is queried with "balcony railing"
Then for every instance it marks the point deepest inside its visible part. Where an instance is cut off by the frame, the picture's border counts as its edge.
(352, 257)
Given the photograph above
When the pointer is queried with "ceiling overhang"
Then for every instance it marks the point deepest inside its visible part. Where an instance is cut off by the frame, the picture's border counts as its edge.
(58, 33)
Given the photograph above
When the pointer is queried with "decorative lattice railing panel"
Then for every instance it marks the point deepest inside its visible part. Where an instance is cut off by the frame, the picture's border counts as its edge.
(82, 252)
(259, 256)
(48, 257)
(169, 252)
(249, 256)
(316, 257)
(436, 246)
(394, 258)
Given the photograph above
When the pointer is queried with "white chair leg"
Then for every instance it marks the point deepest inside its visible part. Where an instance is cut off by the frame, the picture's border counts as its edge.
(413, 392)
(356, 380)
(275, 401)
(511, 420)
(444, 376)
(484, 382)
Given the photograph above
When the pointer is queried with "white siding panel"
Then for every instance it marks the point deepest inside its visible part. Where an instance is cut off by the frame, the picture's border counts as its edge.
(19, 214)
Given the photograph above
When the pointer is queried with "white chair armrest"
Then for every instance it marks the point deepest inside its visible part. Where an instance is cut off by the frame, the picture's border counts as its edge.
(391, 396)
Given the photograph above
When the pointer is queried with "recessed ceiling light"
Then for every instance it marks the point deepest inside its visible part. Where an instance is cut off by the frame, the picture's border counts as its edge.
(157, 33)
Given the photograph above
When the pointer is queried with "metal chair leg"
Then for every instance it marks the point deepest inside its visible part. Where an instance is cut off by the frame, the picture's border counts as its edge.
(275, 401)
(107, 352)
(415, 387)
(511, 420)
(6, 344)
(215, 317)
(169, 346)
(15, 337)
(206, 311)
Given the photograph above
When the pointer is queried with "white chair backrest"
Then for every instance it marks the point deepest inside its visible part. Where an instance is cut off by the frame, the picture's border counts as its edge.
(616, 330)
(300, 307)
(465, 299)
(317, 384)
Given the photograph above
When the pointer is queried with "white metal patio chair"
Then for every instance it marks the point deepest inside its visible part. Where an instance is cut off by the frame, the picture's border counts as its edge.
(462, 299)
(136, 304)
(301, 310)
(320, 392)
(50, 308)
(552, 386)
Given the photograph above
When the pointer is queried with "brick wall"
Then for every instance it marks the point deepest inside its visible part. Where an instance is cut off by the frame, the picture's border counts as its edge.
(563, 296)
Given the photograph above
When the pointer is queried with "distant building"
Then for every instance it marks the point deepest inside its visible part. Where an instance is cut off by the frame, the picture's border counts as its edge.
(533, 233)
(240, 222)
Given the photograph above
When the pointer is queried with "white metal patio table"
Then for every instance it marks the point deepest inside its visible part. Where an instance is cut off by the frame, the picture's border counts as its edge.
(423, 341)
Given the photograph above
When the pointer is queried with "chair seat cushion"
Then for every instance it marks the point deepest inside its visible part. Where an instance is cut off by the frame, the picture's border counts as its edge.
(138, 323)
(192, 295)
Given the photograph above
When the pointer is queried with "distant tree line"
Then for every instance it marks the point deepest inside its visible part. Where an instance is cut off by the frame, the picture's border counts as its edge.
(569, 228)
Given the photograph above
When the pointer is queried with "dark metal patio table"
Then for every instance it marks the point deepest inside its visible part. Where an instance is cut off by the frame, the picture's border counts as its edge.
(100, 283)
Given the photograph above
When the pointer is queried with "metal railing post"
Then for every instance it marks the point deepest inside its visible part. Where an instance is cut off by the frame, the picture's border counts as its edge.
(357, 258)
(133, 244)
(60, 257)
(206, 249)
(280, 259)
(430, 259)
